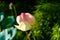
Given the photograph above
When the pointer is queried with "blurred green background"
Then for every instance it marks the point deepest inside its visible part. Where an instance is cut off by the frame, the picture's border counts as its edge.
(46, 12)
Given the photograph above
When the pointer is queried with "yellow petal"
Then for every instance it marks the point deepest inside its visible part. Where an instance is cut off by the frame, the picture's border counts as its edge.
(24, 26)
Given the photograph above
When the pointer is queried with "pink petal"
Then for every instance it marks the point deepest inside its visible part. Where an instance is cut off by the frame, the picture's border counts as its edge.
(26, 17)
(20, 18)
(29, 18)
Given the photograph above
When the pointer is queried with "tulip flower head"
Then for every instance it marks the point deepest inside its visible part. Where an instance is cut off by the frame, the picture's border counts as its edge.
(25, 21)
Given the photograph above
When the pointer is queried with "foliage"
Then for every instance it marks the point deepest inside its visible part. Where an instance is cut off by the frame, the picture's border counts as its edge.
(46, 13)
(47, 16)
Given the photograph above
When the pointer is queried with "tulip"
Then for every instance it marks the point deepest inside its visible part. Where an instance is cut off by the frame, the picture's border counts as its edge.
(25, 21)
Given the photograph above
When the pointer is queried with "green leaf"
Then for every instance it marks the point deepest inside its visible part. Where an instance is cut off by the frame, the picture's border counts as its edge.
(8, 21)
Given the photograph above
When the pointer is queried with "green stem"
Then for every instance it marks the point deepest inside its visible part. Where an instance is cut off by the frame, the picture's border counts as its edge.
(15, 11)
(28, 36)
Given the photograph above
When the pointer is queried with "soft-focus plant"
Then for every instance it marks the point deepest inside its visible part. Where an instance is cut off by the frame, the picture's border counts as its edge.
(25, 22)
(47, 16)
(56, 32)
(1, 16)
(8, 34)
(10, 5)
(8, 21)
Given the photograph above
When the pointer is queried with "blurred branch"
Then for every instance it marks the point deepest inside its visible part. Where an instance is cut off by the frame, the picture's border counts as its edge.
(28, 36)
(15, 11)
